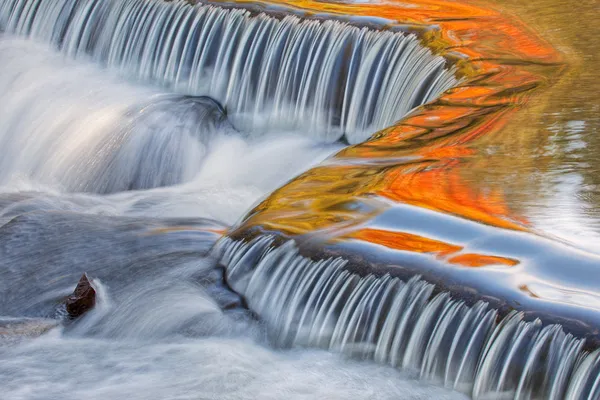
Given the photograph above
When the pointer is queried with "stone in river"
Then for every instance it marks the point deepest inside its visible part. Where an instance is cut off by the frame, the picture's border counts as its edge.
(83, 298)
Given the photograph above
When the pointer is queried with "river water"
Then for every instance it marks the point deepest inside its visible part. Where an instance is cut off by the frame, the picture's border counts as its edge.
(93, 179)
(77, 196)
(546, 160)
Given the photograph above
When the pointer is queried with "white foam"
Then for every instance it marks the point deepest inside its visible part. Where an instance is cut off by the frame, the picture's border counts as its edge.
(61, 131)
(211, 368)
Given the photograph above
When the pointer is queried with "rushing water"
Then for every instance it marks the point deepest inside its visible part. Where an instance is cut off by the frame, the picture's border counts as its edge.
(126, 157)
(72, 127)
(133, 133)
(325, 78)
(404, 324)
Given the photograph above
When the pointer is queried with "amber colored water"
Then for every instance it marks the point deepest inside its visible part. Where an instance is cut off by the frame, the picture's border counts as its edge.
(491, 187)
(535, 167)
(476, 190)
(547, 159)
(421, 159)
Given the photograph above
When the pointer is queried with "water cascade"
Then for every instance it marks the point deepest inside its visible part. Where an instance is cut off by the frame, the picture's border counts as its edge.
(110, 140)
(407, 325)
(76, 128)
(146, 123)
(324, 79)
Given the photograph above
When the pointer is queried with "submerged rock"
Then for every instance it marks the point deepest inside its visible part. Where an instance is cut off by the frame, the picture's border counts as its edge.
(83, 298)
(15, 330)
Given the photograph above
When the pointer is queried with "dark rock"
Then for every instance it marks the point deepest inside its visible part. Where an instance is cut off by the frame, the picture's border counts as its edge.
(83, 298)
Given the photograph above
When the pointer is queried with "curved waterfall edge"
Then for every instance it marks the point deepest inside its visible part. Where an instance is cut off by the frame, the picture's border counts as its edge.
(407, 324)
(327, 79)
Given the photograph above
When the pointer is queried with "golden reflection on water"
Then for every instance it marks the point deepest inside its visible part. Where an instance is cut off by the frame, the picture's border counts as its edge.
(450, 253)
(494, 150)
(547, 159)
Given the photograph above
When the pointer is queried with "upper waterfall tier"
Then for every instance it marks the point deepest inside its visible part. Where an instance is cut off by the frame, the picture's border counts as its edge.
(325, 79)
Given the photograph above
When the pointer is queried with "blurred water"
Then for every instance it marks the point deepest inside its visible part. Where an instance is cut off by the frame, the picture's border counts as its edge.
(165, 325)
(134, 185)
(213, 368)
(71, 127)
(327, 79)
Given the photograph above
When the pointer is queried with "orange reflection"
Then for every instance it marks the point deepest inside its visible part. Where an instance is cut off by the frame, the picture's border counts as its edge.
(480, 260)
(403, 241)
(418, 160)
(441, 188)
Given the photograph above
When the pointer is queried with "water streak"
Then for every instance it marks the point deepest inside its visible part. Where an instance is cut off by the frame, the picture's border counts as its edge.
(73, 127)
(164, 327)
(325, 79)
(407, 325)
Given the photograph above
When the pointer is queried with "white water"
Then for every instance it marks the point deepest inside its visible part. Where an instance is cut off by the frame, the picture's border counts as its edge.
(111, 164)
(403, 324)
(72, 127)
(165, 326)
(324, 79)
(213, 368)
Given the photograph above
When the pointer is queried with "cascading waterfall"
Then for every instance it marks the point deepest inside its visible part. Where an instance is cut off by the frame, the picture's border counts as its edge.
(325, 79)
(71, 128)
(61, 125)
(404, 324)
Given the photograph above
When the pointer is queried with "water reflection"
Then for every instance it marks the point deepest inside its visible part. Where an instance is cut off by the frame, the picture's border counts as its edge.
(463, 190)
(549, 167)
(482, 176)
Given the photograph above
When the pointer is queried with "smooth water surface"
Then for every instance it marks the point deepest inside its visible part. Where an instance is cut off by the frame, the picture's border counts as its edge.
(546, 162)
(105, 172)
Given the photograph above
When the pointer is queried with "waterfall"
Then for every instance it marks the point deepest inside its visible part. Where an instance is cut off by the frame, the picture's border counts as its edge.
(66, 125)
(407, 325)
(324, 79)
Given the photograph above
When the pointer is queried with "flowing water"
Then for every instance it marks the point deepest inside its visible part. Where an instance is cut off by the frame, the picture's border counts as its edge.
(268, 73)
(134, 133)
(546, 161)
(406, 324)
(132, 136)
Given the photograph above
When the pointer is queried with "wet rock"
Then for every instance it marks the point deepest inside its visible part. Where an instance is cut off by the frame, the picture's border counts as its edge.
(83, 298)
